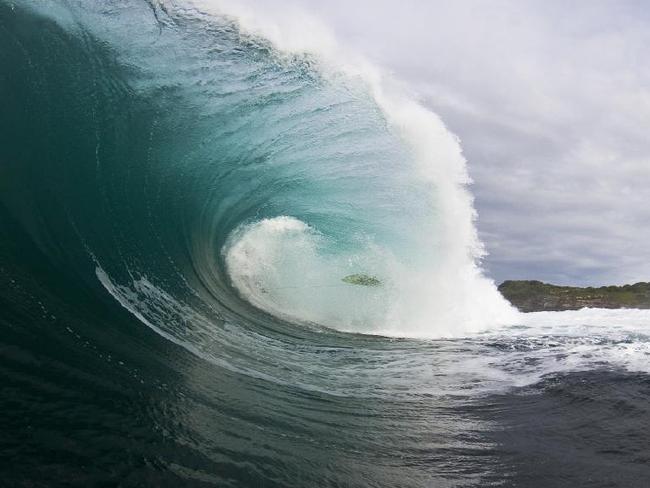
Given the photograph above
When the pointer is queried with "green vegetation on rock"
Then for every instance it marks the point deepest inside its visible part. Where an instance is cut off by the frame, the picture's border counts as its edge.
(535, 296)
(361, 279)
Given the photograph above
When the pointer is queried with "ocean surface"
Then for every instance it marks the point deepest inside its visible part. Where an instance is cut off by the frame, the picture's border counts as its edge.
(183, 187)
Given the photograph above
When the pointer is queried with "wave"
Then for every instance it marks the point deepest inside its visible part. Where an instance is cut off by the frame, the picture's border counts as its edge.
(437, 289)
(182, 195)
(219, 188)
(239, 178)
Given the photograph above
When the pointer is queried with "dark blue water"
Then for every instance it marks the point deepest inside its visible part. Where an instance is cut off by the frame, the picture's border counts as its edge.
(154, 163)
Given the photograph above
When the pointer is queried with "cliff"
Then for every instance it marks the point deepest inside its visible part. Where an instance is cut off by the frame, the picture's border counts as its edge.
(535, 296)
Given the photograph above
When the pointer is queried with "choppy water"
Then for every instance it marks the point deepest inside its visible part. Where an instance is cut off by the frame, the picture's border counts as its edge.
(179, 200)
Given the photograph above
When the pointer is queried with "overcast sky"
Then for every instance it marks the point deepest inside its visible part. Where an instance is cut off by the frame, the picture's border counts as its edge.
(551, 101)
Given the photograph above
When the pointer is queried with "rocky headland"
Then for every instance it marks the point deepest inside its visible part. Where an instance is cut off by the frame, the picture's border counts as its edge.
(536, 296)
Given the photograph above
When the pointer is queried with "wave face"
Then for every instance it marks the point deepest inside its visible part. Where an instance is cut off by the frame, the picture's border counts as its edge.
(165, 166)
(223, 171)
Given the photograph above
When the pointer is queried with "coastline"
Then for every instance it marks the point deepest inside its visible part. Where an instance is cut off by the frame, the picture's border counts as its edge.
(537, 296)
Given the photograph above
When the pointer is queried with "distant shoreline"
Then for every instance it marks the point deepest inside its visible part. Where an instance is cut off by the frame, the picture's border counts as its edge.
(536, 296)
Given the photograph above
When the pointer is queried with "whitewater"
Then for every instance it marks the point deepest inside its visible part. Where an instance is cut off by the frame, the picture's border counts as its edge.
(183, 187)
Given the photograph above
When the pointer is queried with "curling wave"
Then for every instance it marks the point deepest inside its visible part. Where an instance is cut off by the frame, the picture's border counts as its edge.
(220, 177)
(219, 168)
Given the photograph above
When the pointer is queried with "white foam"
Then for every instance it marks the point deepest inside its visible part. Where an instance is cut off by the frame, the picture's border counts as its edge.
(563, 342)
(281, 265)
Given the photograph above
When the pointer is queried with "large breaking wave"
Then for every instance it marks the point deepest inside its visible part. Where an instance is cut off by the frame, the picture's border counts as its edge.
(215, 175)
(224, 172)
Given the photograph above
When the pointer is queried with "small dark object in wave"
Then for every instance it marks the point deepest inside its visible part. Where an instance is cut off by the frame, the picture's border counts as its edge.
(361, 279)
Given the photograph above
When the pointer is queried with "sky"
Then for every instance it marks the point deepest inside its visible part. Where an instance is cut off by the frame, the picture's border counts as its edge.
(551, 102)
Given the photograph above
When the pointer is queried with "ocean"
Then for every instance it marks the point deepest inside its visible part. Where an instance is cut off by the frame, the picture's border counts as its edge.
(182, 193)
